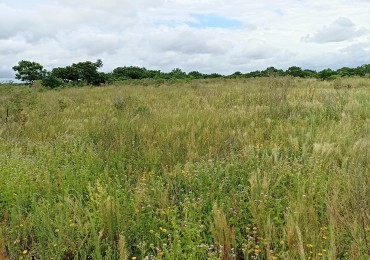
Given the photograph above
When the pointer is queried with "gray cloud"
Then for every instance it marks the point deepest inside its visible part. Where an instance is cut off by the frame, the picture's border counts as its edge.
(187, 41)
(341, 29)
(140, 33)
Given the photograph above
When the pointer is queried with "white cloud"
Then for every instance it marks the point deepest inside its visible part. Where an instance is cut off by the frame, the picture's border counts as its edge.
(342, 29)
(156, 33)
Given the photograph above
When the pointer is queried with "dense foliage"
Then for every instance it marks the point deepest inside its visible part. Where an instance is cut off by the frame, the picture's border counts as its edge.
(29, 71)
(87, 73)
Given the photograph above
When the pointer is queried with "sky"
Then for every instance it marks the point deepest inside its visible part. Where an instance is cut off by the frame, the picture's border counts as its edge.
(221, 36)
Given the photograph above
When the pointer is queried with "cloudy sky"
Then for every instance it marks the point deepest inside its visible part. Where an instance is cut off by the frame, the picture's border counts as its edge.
(220, 36)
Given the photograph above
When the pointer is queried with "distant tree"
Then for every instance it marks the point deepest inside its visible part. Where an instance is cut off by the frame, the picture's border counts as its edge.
(346, 72)
(272, 72)
(52, 81)
(309, 74)
(235, 75)
(362, 70)
(326, 74)
(132, 72)
(177, 74)
(88, 72)
(67, 74)
(295, 72)
(29, 71)
(213, 76)
(254, 74)
(195, 75)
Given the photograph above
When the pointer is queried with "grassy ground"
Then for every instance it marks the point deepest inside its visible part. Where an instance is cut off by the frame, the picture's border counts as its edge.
(211, 169)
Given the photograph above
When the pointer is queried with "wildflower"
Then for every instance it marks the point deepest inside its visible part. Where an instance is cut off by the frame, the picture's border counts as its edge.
(323, 228)
(21, 225)
(324, 237)
(25, 252)
(163, 230)
(319, 254)
(133, 258)
(324, 250)
(309, 246)
(57, 230)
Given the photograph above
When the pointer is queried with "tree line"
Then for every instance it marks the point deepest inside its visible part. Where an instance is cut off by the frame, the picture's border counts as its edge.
(83, 73)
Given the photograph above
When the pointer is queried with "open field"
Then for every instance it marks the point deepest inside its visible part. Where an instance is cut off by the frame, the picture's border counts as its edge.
(269, 168)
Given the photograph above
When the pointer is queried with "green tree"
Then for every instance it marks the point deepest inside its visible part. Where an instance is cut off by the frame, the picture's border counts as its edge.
(122, 73)
(29, 71)
(88, 72)
(295, 72)
(67, 74)
(309, 74)
(346, 72)
(177, 74)
(52, 81)
(272, 72)
(195, 75)
(327, 74)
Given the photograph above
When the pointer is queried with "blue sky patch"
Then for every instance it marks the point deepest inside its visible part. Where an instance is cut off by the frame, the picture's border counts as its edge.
(214, 21)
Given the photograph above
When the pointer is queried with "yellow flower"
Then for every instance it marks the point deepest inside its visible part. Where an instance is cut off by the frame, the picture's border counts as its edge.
(319, 254)
(25, 252)
(134, 258)
(163, 230)
(324, 237)
(309, 245)
(324, 250)
(323, 228)
(21, 225)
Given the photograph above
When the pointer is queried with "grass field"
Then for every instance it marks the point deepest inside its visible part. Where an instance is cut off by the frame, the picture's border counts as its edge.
(269, 168)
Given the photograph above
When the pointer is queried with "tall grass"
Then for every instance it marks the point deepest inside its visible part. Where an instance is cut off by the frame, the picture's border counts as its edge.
(273, 168)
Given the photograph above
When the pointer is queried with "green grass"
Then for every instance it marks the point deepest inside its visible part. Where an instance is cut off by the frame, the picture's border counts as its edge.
(274, 168)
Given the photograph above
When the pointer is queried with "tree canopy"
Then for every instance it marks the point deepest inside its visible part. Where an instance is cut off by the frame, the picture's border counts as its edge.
(29, 71)
(87, 73)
